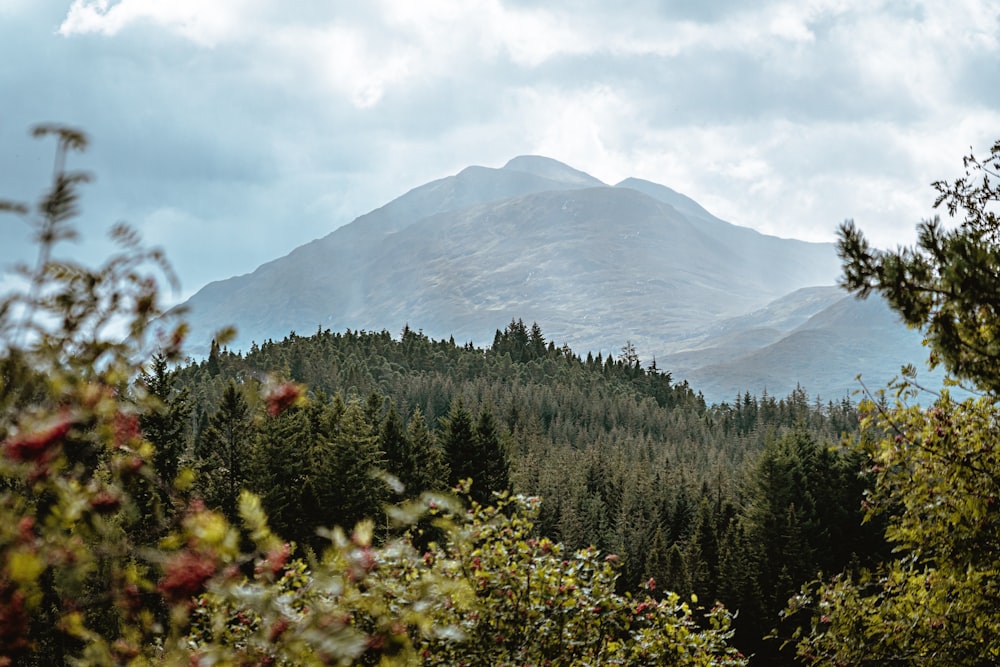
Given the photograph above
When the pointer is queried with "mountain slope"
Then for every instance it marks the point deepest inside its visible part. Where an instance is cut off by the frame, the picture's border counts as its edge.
(301, 289)
(825, 354)
(595, 265)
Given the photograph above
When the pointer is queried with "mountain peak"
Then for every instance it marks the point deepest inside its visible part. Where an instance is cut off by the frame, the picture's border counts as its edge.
(680, 201)
(551, 169)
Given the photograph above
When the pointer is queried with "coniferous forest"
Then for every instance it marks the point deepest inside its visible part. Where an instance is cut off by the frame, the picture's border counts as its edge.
(740, 503)
(367, 498)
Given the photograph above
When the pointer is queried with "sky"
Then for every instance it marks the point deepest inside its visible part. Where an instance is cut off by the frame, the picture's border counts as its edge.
(230, 132)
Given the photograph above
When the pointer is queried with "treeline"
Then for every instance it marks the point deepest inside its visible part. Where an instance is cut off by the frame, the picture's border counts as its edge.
(740, 502)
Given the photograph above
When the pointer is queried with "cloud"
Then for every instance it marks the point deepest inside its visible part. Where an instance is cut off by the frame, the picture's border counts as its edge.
(235, 130)
(206, 24)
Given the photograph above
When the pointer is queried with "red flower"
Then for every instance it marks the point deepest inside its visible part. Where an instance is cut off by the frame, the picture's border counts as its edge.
(126, 428)
(185, 575)
(282, 397)
(277, 629)
(105, 502)
(34, 445)
(14, 621)
(26, 528)
(275, 560)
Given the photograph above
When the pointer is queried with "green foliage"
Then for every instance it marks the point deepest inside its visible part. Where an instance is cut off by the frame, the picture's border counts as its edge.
(947, 284)
(490, 594)
(535, 603)
(79, 497)
(935, 602)
(935, 468)
(104, 562)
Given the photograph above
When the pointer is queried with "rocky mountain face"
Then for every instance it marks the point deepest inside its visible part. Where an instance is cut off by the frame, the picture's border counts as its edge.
(595, 265)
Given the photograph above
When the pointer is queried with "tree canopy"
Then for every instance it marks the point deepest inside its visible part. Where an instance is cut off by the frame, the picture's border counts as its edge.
(935, 468)
(948, 283)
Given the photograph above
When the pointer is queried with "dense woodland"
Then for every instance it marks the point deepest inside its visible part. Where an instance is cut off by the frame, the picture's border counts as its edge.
(308, 502)
(740, 503)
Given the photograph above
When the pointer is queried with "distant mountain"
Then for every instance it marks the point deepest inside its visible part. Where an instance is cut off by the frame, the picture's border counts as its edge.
(818, 338)
(594, 265)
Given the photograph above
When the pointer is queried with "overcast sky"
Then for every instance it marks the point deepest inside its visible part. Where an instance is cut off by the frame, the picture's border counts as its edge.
(232, 131)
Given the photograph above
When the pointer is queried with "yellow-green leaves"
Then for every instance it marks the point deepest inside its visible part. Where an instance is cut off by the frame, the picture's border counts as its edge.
(24, 567)
(937, 482)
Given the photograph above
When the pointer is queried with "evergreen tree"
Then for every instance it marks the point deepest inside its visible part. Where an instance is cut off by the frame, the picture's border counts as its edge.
(373, 410)
(168, 426)
(394, 444)
(281, 473)
(459, 443)
(224, 449)
(677, 577)
(426, 468)
(490, 470)
(536, 341)
(213, 359)
(352, 491)
(658, 565)
(703, 553)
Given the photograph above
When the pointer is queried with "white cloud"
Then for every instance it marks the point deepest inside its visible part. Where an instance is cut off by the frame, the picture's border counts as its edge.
(786, 115)
(206, 23)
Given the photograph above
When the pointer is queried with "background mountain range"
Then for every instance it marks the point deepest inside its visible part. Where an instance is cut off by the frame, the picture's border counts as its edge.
(723, 306)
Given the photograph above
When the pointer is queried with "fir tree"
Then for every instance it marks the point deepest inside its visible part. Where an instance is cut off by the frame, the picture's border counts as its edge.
(426, 468)
(459, 443)
(224, 449)
(490, 470)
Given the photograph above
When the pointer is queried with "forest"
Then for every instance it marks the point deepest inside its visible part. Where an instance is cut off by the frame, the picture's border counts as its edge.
(739, 503)
(361, 497)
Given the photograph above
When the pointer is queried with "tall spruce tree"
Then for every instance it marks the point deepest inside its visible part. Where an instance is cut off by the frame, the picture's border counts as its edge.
(224, 449)
(166, 427)
(352, 491)
(394, 444)
(491, 468)
(281, 473)
(459, 441)
(426, 468)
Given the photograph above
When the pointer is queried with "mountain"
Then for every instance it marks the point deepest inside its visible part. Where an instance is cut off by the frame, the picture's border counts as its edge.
(818, 338)
(595, 265)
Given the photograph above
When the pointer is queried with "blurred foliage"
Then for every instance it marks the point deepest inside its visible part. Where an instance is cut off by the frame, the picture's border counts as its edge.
(103, 561)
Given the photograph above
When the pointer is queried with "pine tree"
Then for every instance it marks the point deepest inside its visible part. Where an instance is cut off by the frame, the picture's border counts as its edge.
(658, 564)
(459, 443)
(394, 444)
(490, 470)
(213, 359)
(224, 449)
(167, 427)
(677, 577)
(281, 473)
(352, 491)
(703, 553)
(426, 468)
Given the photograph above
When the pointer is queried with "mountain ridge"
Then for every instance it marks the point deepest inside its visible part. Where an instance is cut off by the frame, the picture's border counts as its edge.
(596, 265)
